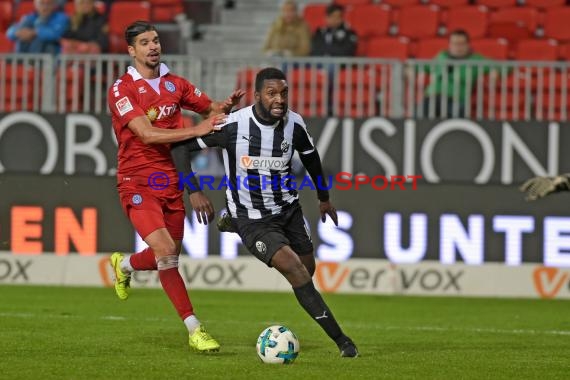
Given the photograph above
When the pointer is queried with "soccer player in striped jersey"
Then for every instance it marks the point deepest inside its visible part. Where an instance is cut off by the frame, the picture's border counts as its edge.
(258, 143)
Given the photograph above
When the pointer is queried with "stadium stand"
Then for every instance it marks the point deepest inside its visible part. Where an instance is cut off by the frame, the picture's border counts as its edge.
(122, 14)
(472, 19)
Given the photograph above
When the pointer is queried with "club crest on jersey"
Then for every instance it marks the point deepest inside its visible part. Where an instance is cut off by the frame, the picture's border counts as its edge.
(284, 146)
(261, 247)
(169, 86)
(137, 199)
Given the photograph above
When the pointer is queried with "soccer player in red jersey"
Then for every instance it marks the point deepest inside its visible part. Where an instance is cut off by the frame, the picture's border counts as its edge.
(145, 106)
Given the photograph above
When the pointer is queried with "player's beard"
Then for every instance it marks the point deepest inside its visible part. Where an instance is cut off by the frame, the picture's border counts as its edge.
(265, 113)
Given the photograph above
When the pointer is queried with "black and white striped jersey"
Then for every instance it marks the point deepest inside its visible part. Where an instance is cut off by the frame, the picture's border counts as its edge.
(257, 161)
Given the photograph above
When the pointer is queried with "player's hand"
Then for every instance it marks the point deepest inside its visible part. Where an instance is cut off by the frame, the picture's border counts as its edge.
(539, 187)
(202, 206)
(327, 208)
(209, 125)
(232, 100)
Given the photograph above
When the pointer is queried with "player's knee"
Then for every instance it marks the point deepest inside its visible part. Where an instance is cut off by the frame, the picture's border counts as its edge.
(167, 248)
(167, 262)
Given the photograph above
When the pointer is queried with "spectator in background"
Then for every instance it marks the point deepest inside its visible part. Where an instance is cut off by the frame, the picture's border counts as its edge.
(289, 35)
(448, 86)
(335, 39)
(88, 32)
(40, 31)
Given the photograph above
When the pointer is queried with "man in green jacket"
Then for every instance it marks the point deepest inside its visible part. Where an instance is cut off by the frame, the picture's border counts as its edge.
(446, 94)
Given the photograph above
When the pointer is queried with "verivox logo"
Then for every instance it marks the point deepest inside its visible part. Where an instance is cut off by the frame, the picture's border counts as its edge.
(268, 163)
(549, 281)
(330, 276)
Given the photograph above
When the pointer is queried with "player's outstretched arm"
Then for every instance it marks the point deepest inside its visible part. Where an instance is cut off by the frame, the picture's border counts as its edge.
(225, 106)
(142, 127)
(539, 187)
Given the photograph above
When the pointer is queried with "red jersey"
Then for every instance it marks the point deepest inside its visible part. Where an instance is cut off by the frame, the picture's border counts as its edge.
(132, 96)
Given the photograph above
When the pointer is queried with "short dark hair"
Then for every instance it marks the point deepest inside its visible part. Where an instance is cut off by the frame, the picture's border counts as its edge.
(334, 8)
(460, 32)
(136, 28)
(267, 74)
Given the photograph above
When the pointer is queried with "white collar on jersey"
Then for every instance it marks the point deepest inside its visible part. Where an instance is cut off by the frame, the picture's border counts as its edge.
(136, 75)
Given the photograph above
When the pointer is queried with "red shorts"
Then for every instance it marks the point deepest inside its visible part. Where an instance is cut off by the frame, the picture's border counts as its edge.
(149, 210)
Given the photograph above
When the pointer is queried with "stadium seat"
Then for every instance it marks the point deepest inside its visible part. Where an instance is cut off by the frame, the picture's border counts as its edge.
(449, 3)
(6, 46)
(542, 4)
(5, 15)
(537, 50)
(23, 9)
(401, 3)
(369, 20)
(19, 87)
(350, 3)
(314, 15)
(556, 23)
(122, 14)
(246, 79)
(495, 48)
(511, 31)
(526, 16)
(473, 20)
(497, 3)
(69, 7)
(418, 21)
(388, 47)
(430, 47)
(165, 10)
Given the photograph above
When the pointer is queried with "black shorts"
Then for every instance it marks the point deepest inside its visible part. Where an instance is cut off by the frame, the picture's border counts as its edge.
(264, 237)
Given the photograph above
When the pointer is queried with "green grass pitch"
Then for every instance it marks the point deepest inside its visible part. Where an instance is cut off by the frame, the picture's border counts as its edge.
(86, 333)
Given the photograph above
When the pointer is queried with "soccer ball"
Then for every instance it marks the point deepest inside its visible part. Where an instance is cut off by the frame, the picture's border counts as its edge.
(277, 345)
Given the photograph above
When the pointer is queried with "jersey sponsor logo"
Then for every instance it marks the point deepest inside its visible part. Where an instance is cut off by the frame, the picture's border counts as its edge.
(137, 199)
(197, 92)
(169, 86)
(157, 113)
(269, 163)
(152, 114)
(124, 105)
(261, 247)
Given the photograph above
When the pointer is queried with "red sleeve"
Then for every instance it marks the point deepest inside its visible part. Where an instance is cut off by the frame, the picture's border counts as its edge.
(193, 99)
(122, 104)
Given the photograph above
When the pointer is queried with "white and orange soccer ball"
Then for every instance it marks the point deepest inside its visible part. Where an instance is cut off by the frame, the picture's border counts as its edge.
(277, 345)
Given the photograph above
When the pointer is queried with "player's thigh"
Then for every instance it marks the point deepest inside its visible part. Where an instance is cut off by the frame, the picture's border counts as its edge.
(289, 264)
(174, 216)
(144, 211)
(161, 243)
(261, 239)
(297, 232)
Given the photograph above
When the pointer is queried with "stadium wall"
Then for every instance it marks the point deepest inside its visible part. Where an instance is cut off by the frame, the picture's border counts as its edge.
(353, 276)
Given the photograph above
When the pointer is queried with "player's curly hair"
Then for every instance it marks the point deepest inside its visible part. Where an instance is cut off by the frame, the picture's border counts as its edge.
(137, 28)
(267, 74)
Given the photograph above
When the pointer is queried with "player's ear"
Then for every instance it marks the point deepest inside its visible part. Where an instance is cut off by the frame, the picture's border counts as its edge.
(257, 96)
(131, 51)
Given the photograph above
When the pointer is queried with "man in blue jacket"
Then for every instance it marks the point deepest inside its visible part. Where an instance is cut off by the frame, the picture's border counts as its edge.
(40, 31)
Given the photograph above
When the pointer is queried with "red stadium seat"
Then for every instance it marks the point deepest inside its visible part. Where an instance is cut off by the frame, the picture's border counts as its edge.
(369, 20)
(497, 3)
(449, 3)
(165, 10)
(418, 21)
(314, 15)
(5, 15)
(6, 46)
(513, 32)
(350, 3)
(19, 87)
(473, 20)
(496, 48)
(523, 16)
(122, 14)
(23, 9)
(430, 47)
(537, 50)
(542, 4)
(401, 3)
(556, 23)
(388, 47)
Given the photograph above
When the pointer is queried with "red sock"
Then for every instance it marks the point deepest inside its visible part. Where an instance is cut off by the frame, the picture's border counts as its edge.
(143, 260)
(174, 287)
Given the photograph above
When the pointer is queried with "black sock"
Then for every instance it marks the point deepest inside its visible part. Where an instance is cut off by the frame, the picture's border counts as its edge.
(316, 307)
